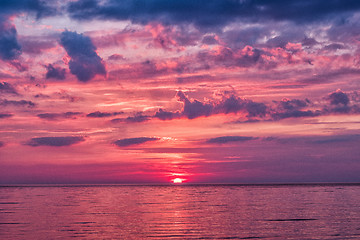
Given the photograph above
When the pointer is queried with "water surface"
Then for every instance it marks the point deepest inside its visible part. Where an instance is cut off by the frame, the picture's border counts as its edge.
(180, 212)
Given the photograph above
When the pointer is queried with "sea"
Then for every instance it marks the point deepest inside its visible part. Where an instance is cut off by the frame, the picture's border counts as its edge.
(208, 211)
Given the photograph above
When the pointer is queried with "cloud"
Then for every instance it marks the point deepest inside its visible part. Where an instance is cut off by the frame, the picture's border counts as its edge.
(134, 141)
(39, 7)
(57, 116)
(292, 108)
(54, 141)
(227, 139)
(116, 57)
(6, 115)
(85, 63)
(55, 72)
(209, 13)
(233, 104)
(295, 114)
(228, 104)
(35, 45)
(338, 97)
(10, 48)
(138, 118)
(338, 139)
(19, 103)
(1, 144)
(98, 114)
(164, 115)
(194, 109)
(7, 88)
(339, 102)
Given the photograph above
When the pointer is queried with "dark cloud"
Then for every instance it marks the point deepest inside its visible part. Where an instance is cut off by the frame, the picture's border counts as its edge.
(39, 7)
(54, 141)
(293, 104)
(164, 115)
(19, 66)
(116, 57)
(55, 72)
(7, 88)
(227, 139)
(309, 42)
(57, 116)
(292, 108)
(333, 47)
(339, 97)
(66, 96)
(229, 104)
(235, 104)
(339, 102)
(10, 48)
(209, 40)
(138, 118)
(85, 63)
(243, 58)
(211, 12)
(1, 144)
(337, 139)
(5, 115)
(98, 114)
(194, 109)
(295, 114)
(134, 141)
(20, 103)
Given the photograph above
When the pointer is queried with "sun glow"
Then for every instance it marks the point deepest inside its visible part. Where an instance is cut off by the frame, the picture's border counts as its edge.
(177, 180)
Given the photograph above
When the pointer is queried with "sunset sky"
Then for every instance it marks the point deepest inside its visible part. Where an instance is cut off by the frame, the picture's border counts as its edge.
(208, 91)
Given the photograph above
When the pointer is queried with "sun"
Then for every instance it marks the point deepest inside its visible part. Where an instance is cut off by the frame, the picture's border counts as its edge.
(177, 180)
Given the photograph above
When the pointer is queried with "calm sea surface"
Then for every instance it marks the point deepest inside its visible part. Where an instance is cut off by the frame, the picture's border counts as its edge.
(180, 212)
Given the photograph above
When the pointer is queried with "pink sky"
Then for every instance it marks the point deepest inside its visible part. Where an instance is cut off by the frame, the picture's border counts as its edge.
(225, 92)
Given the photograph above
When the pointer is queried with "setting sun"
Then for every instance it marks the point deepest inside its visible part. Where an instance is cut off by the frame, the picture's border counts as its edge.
(177, 180)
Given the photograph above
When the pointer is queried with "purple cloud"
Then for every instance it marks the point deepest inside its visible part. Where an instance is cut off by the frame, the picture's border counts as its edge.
(5, 115)
(138, 118)
(85, 63)
(7, 88)
(55, 72)
(54, 141)
(99, 114)
(19, 103)
(134, 141)
(163, 115)
(197, 12)
(339, 97)
(195, 108)
(57, 116)
(10, 48)
(227, 139)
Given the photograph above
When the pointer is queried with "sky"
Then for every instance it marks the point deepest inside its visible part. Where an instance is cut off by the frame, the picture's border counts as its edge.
(206, 91)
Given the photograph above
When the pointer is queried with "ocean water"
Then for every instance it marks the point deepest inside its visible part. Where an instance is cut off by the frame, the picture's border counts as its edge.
(180, 212)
